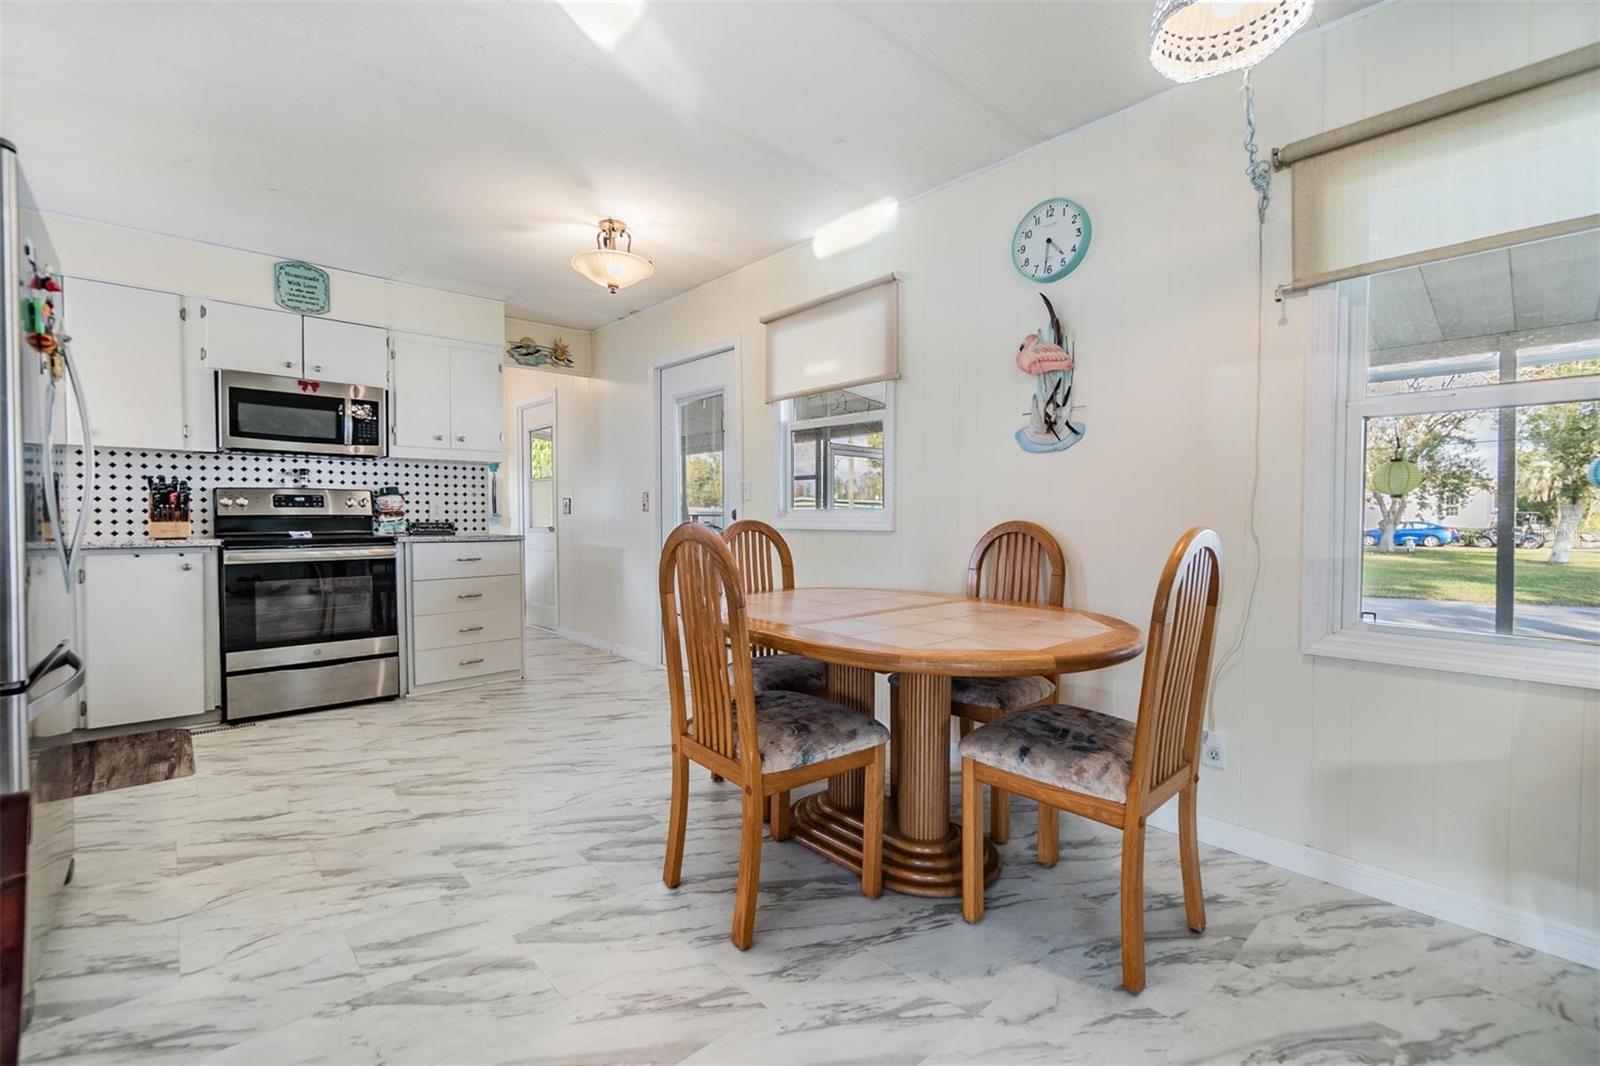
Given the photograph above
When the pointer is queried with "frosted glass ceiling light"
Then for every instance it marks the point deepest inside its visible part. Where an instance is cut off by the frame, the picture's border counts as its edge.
(1194, 39)
(605, 22)
(858, 227)
(609, 266)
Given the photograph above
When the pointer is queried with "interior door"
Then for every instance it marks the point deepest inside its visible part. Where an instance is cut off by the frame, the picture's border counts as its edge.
(538, 431)
(700, 443)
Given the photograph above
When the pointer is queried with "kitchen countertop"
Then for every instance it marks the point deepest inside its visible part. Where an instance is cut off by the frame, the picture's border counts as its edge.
(148, 543)
(459, 538)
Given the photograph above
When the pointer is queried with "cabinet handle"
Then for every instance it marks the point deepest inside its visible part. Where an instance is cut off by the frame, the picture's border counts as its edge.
(469, 595)
(468, 629)
(188, 566)
(469, 558)
(438, 436)
(287, 365)
(468, 662)
(317, 369)
(462, 439)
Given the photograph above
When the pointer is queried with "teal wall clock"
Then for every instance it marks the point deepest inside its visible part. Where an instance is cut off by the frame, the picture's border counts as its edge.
(1051, 240)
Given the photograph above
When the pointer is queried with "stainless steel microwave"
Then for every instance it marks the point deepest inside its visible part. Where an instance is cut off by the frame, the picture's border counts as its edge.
(268, 413)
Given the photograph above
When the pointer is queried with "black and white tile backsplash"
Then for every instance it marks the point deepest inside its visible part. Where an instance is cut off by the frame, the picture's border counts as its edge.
(433, 488)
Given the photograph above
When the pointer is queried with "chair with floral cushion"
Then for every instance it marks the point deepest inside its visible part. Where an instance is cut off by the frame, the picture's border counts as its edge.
(1015, 562)
(1109, 769)
(766, 563)
(766, 743)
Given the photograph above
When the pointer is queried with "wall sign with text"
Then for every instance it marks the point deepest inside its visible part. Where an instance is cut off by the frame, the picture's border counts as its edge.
(300, 287)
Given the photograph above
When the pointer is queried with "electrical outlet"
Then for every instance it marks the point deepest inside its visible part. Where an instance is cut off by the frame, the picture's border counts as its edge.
(1214, 750)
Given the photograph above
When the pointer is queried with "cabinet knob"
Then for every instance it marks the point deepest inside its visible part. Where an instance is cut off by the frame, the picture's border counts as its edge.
(462, 439)
(287, 365)
(188, 566)
(317, 369)
(438, 436)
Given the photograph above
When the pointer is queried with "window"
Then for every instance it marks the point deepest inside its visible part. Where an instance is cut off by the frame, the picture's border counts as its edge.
(541, 479)
(1458, 523)
(835, 449)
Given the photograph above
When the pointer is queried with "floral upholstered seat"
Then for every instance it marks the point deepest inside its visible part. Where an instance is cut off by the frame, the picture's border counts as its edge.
(1002, 694)
(788, 673)
(1068, 747)
(794, 729)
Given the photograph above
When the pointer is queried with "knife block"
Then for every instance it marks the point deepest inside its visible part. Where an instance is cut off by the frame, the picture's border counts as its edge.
(168, 530)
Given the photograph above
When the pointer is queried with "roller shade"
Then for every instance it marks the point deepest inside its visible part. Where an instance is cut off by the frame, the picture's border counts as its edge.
(846, 339)
(1510, 169)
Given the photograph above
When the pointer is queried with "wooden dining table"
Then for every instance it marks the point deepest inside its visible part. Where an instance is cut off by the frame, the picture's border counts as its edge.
(928, 638)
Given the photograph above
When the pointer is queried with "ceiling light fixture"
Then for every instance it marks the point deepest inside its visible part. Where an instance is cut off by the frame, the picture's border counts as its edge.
(609, 266)
(857, 227)
(1194, 39)
(605, 22)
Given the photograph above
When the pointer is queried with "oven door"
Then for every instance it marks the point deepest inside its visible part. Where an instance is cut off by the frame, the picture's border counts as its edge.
(291, 606)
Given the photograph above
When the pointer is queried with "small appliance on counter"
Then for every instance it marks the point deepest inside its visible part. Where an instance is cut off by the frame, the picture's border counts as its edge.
(310, 601)
(431, 527)
(168, 508)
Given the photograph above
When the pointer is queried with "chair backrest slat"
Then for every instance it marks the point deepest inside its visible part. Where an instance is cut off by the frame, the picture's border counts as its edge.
(1018, 562)
(1177, 666)
(702, 618)
(763, 557)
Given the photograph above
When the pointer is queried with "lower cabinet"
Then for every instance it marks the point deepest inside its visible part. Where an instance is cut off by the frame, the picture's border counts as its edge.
(146, 634)
(465, 612)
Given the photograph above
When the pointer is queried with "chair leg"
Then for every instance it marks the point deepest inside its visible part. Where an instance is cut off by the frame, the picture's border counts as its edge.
(999, 815)
(872, 829)
(779, 814)
(744, 902)
(971, 843)
(1133, 906)
(1049, 835)
(678, 814)
(1194, 897)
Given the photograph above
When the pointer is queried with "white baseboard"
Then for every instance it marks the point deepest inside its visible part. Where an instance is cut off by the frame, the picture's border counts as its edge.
(1484, 916)
(615, 649)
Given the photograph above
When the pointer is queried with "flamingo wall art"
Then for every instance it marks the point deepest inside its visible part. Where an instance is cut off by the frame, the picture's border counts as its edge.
(1051, 363)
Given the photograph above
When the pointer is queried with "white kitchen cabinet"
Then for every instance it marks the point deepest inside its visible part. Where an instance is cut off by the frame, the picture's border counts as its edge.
(419, 396)
(145, 635)
(464, 602)
(475, 399)
(346, 352)
(127, 344)
(444, 400)
(252, 339)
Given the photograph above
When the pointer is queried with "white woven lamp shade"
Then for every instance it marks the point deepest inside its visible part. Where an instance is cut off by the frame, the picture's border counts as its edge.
(1194, 39)
(607, 265)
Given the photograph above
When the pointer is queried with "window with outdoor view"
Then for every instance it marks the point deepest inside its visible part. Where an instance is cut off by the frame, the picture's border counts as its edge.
(1472, 438)
(835, 455)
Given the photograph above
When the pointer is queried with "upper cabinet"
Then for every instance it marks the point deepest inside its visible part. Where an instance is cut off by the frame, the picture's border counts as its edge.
(345, 352)
(444, 401)
(127, 345)
(252, 339)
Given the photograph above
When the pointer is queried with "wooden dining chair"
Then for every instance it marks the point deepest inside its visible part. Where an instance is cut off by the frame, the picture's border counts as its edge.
(1109, 769)
(765, 563)
(766, 743)
(1015, 562)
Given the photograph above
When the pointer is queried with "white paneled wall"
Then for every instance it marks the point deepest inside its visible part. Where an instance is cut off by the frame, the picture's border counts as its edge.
(1489, 788)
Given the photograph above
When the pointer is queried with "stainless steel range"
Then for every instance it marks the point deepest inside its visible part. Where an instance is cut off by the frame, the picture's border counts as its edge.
(310, 602)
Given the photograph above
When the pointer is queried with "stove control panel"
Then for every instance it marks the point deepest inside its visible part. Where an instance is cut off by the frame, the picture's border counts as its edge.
(295, 501)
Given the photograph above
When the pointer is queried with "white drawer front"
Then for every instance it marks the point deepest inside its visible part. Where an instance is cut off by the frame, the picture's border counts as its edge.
(466, 594)
(451, 664)
(466, 627)
(480, 559)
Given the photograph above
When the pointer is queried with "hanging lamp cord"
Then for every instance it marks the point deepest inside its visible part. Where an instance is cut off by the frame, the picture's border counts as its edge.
(1258, 170)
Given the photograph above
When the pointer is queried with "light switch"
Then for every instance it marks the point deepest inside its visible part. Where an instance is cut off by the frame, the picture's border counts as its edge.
(566, 505)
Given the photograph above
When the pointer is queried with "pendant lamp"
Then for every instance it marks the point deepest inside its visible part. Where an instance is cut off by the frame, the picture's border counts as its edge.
(607, 265)
(1194, 39)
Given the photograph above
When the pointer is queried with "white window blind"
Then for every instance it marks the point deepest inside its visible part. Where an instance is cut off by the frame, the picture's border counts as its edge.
(1519, 167)
(847, 339)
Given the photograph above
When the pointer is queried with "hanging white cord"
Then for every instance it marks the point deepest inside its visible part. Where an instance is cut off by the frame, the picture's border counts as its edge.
(1260, 174)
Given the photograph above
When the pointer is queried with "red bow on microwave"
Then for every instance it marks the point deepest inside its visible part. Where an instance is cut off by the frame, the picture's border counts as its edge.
(309, 386)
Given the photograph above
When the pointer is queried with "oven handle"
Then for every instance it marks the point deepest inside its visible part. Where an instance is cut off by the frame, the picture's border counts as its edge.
(240, 556)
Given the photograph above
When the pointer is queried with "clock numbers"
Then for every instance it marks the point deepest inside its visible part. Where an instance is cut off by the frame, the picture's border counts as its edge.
(1051, 240)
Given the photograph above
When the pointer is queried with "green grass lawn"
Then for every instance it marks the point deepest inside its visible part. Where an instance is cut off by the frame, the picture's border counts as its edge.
(1467, 575)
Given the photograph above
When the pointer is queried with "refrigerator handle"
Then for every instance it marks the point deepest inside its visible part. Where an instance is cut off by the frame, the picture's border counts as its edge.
(75, 551)
(52, 490)
(62, 655)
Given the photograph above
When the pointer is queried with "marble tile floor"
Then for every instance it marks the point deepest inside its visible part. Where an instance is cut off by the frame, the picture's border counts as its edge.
(475, 878)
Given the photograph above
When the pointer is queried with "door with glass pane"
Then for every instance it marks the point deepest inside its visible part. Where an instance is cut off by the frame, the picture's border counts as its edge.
(539, 504)
(699, 416)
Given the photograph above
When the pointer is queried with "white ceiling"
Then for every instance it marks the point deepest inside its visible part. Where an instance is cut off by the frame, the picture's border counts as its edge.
(472, 146)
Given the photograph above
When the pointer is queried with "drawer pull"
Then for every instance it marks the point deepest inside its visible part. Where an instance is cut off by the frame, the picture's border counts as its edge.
(469, 595)
(468, 662)
(469, 558)
(469, 629)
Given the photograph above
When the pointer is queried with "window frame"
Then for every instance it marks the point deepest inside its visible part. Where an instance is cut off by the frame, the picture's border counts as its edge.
(881, 521)
(1336, 409)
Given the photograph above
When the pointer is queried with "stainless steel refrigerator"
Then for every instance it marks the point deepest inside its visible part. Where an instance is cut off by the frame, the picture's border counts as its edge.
(44, 489)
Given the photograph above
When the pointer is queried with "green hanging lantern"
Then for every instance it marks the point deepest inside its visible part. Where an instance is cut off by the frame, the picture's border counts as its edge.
(1396, 477)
